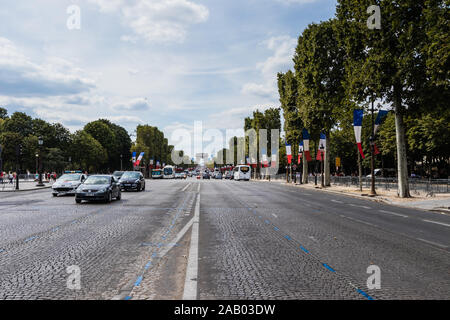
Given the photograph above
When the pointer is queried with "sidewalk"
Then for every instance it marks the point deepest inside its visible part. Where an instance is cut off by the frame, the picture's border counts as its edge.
(440, 201)
(23, 186)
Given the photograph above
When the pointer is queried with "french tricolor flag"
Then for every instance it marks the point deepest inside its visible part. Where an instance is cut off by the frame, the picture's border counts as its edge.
(138, 161)
(357, 126)
(300, 152)
(265, 161)
(273, 163)
(306, 138)
(381, 116)
(289, 153)
(134, 158)
(322, 147)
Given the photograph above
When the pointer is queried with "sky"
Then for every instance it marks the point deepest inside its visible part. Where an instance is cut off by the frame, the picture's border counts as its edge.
(166, 63)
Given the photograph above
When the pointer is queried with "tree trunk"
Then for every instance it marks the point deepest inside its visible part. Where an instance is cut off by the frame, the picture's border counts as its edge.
(402, 164)
(305, 170)
(327, 161)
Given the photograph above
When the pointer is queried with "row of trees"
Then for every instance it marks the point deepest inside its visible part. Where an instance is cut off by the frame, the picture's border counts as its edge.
(341, 65)
(101, 146)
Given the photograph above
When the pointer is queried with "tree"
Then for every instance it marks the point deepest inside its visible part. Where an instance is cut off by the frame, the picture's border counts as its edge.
(388, 62)
(88, 153)
(319, 65)
(3, 113)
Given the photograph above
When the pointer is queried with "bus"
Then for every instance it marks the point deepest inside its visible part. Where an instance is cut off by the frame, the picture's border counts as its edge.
(242, 172)
(157, 174)
(169, 172)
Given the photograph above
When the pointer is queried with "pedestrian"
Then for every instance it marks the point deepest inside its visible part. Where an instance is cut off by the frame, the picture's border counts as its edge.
(10, 177)
(1, 177)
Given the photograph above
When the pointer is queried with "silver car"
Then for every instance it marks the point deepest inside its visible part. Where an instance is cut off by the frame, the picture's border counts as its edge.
(67, 184)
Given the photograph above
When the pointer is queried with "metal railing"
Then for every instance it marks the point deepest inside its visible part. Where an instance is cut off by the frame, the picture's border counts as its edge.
(416, 186)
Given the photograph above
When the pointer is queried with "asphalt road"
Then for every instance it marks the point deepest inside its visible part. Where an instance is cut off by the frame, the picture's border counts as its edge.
(257, 240)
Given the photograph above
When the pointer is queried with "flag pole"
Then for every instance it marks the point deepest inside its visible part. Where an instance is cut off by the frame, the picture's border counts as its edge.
(372, 154)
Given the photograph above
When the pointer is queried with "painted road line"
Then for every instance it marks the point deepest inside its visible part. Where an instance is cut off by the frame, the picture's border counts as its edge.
(337, 201)
(198, 189)
(187, 186)
(394, 213)
(437, 222)
(360, 221)
(433, 243)
(190, 283)
(274, 215)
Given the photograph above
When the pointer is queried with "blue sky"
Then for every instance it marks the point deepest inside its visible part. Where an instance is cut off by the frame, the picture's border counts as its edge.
(167, 63)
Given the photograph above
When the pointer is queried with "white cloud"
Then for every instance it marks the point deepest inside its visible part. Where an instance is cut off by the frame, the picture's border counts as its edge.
(138, 104)
(20, 77)
(156, 20)
(283, 48)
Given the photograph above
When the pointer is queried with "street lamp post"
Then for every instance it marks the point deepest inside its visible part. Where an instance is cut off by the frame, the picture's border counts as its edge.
(41, 142)
(121, 156)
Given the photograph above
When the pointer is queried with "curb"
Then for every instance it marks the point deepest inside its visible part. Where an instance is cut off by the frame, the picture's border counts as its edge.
(25, 190)
(374, 199)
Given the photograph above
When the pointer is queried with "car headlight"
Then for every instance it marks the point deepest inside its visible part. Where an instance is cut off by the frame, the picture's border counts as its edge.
(102, 190)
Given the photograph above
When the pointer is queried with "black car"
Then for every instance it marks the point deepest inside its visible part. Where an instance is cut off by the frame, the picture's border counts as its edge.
(98, 188)
(118, 174)
(132, 180)
(206, 175)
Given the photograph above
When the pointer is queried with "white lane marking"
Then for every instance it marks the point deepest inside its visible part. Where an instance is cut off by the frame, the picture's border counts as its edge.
(337, 201)
(394, 213)
(356, 205)
(125, 291)
(190, 283)
(187, 186)
(274, 215)
(436, 222)
(433, 243)
(313, 239)
(360, 221)
(198, 189)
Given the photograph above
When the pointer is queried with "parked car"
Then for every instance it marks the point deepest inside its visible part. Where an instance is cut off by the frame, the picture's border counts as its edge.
(132, 180)
(219, 176)
(206, 175)
(98, 188)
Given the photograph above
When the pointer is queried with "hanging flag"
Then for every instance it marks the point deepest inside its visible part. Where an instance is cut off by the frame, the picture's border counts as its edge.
(138, 161)
(306, 138)
(248, 160)
(323, 142)
(157, 164)
(300, 152)
(134, 158)
(265, 161)
(273, 163)
(289, 153)
(357, 126)
(381, 115)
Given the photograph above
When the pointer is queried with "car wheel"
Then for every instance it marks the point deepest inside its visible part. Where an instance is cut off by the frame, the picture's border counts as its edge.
(55, 195)
(119, 196)
(109, 199)
(78, 200)
(143, 189)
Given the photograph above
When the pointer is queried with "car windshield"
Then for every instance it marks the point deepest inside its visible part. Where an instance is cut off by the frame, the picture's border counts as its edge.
(168, 171)
(118, 173)
(131, 175)
(245, 169)
(97, 180)
(70, 177)
(156, 173)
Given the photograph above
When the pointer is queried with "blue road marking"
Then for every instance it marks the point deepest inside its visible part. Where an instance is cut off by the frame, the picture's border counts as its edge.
(287, 237)
(148, 265)
(275, 228)
(138, 281)
(364, 294)
(2, 250)
(55, 229)
(328, 267)
(31, 238)
(301, 247)
(128, 298)
(267, 221)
